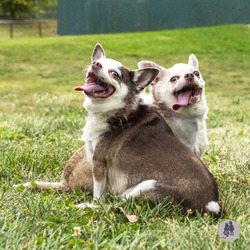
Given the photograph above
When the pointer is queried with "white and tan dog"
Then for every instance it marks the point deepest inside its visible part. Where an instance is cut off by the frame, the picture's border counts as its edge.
(178, 93)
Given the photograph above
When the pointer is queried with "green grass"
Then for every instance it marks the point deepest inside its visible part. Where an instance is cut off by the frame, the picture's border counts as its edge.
(41, 120)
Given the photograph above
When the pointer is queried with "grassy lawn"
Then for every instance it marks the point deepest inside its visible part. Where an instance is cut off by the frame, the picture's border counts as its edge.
(41, 118)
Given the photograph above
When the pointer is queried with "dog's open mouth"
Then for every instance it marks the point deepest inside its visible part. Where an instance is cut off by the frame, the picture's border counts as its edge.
(187, 96)
(96, 88)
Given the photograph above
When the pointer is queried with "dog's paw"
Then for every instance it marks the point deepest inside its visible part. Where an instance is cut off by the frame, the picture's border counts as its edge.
(84, 205)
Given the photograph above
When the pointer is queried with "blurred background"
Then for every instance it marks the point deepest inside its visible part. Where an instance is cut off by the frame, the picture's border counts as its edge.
(28, 18)
(20, 18)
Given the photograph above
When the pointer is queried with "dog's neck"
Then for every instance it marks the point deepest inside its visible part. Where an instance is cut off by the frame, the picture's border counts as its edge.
(130, 108)
(98, 123)
(164, 111)
(191, 131)
(125, 118)
(172, 116)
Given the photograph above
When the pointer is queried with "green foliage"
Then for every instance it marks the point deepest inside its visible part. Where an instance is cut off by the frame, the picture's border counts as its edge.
(21, 8)
(41, 119)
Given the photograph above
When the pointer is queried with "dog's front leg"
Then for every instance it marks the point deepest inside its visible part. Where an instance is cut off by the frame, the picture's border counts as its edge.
(100, 183)
(100, 179)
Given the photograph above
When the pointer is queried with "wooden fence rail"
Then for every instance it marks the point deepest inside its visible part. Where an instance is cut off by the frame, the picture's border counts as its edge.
(11, 24)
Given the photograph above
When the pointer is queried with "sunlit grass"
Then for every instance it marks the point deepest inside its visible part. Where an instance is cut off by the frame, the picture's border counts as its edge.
(41, 121)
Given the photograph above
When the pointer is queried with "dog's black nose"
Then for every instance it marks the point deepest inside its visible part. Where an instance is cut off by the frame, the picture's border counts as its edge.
(189, 76)
(97, 64)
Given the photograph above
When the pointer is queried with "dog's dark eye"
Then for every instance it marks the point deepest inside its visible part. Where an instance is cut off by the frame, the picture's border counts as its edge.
(173, 79)
(197, 73)
(115, 74)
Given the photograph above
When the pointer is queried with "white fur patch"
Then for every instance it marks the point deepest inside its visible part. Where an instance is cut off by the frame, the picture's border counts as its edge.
(96, 124)
(191, 132)
(45, 185)
(147, 98)
(99, 188)
(141, 187)
(213, 206)
(117, 180)
(109, 63)
(28, 185)
(84, 205)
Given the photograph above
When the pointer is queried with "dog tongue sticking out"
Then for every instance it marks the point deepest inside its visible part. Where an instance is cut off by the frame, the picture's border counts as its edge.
(91, 86)
(187, 97)
(183, 99)
(95, 88)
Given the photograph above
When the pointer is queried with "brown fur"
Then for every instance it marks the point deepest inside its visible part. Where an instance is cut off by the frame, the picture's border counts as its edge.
(143, 147)
(163, 110)
(76, 174)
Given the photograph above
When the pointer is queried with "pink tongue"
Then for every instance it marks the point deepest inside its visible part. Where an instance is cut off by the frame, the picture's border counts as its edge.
(183, 99)
(90, 87)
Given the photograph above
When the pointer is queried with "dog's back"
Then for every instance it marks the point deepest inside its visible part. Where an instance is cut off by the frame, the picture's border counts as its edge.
(142, 149)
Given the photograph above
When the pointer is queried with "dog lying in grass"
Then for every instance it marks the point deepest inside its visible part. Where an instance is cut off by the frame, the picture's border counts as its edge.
(178, 93)
(130, 146)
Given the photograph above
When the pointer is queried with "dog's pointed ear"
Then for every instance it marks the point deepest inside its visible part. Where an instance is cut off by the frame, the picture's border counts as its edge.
(193, 61)
(148, 64)
(152, 65)
(98, 52)
(143, 77)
